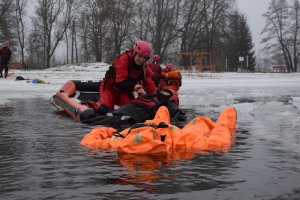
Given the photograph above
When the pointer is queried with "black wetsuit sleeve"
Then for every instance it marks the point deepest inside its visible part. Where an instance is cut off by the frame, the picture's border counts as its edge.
(126, 86)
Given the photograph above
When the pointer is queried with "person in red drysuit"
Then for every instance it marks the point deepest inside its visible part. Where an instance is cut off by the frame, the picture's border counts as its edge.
(156, 69)
(128, 75)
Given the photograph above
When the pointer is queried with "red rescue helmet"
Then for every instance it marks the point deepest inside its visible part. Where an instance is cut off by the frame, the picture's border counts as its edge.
(169, 67)
(143, 48)
(156, 58)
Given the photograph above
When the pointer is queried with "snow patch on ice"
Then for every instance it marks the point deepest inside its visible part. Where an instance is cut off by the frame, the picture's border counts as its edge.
(82, 67)
(296, 101)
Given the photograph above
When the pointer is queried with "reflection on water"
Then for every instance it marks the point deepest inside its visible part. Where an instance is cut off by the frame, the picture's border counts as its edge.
(41, 159)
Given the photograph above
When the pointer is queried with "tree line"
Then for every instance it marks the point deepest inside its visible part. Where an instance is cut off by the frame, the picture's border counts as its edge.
(100, 30)
(281, 33)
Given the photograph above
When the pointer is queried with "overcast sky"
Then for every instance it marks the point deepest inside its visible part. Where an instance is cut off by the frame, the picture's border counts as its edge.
(254, 9)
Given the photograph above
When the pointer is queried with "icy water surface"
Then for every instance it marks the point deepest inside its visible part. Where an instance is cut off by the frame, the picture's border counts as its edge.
(41, 157)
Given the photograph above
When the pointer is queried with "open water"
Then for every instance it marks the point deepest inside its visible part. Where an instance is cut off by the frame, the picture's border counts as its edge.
(40, 158)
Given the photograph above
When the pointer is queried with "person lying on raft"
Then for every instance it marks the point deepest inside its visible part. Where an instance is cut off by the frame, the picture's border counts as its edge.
(142, 108)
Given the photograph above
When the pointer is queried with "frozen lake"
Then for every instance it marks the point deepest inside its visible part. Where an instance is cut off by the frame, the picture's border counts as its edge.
(41, 157)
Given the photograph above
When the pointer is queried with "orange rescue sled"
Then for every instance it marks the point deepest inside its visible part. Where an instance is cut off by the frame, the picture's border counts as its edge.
(72, 98)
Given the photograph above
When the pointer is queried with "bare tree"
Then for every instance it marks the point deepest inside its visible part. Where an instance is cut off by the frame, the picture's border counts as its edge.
(74, 50)
(295, 26)
(104, 28)
(141, 16)
(193, 25)
(86, 52)
(75, 42)
(204, 27)
(35, 49)
(122, 23)
(7, 21)
(95, 22)
(203, 24)
(277, 30)
(72, 32)
(215, 18)
(67, 46)
(53, 18)
(20, 26)
(162, 23)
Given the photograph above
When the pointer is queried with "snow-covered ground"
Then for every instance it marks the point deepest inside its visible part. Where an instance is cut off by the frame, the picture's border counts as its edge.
(9, 88)
(220, 86)
(266, 102)
(202, 89)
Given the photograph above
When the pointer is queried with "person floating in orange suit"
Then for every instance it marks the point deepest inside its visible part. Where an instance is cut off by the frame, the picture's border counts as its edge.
(158, 136)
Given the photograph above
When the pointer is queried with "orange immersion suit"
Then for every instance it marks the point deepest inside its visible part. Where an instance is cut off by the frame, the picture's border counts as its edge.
(158, 136)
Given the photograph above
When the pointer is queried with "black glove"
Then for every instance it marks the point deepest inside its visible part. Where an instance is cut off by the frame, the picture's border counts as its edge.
(126, 86)
(181, 112)
(103, 110)
(163, 96)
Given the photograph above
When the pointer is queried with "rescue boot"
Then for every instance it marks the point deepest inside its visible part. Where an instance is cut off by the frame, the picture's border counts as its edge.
(5, 76)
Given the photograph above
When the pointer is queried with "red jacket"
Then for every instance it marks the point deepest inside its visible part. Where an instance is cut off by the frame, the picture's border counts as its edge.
(5, 55)
(156, 76)
(156, 69)
(127, 70)
(117, 86)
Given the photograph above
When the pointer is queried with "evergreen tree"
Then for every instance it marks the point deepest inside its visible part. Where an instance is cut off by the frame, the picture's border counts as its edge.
(240, 53)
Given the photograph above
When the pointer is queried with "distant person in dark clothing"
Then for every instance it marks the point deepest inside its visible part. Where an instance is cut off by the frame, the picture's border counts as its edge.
(5, 55)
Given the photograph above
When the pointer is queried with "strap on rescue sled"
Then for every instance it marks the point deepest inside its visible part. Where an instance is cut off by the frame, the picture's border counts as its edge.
(139, 125)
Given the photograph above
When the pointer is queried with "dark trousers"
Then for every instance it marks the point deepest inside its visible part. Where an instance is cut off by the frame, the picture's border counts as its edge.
(5, 67)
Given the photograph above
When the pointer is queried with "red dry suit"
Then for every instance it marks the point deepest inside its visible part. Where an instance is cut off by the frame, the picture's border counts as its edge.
(117, 85)
(156, 76)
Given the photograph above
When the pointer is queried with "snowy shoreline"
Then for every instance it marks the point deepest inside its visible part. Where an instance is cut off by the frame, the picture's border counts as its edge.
(197, 83)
